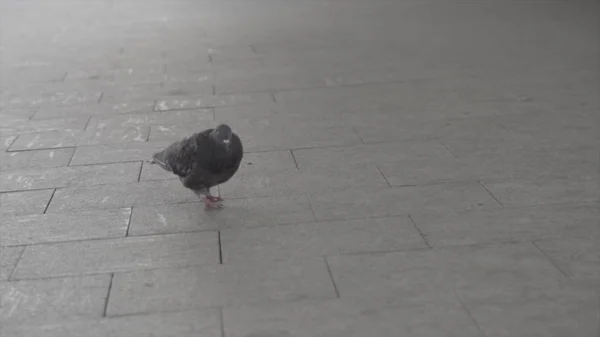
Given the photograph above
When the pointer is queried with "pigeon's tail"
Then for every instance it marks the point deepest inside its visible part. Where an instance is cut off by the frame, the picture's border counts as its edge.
(159, 159)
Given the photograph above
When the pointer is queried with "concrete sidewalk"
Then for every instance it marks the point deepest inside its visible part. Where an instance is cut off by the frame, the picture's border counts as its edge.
(413, 168)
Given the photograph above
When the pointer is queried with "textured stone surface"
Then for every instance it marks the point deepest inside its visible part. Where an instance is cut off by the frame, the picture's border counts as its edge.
(182, 324)
(58, 139)
(186, 117)
(122, 195)
(36, 126)
(403, 278)
(319, 239)
(544, 192)
(86, 257)
(43, 228)
(35, 159)
(46, 112)
(53, 300)
(193, 102)
(357, 203)
(343, 319)
(239, 213)
(506, 225)
(27, 202)
(8, 260)
(69, 176)
(220, 285)
(579, 258)
(112, 153)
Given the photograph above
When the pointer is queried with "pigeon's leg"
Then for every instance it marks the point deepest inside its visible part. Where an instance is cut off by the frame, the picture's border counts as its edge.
(209, 200)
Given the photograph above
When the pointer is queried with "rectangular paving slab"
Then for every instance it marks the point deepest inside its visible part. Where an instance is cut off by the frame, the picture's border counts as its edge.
(205, 323)
(58, 139)
(27, 202)
(68, 176)
(39, 301)
(543, 191)
(370, 202)
(237, 213)
(8, 260)
(121, 254)
(47, 111)
(485, 226)
(56, 227)
(219, 285)
(35, 159)
(192, 102)
(339, 318)
(114, 153)
(36, 126)
(290, 242)
(120, 195)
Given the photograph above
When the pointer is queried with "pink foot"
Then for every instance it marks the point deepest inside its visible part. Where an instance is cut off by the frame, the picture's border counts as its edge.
(213, 203)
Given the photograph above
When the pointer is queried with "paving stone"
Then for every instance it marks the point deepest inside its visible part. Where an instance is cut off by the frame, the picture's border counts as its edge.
(23, 203)
(429, 170)
(45, 228)
(231, 53)
(343, 319)
(219, 285)
(501, 143)
(37, 159)
(115, 94)
(577, 163)
(58, 139)
(44, 301)
(185, 117)
(46, 112)
(296, 182)
(57, 99)
(191, 102)
(5, 142)
(543, 192)
(120, 195)
(564, 311)
(120, 254)
(69, 176)
(578, 257)
(506, 225)
(182, 324)
(265, 80)
(432, 276)
(36, 126)
(371, 202)
(9, 256)
(238, 213)
(370, 153)
(216, 66)
(34, 74)
(319, 239)
(112, 153)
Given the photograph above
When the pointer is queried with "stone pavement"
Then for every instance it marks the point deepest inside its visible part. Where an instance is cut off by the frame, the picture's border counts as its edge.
(413, 168)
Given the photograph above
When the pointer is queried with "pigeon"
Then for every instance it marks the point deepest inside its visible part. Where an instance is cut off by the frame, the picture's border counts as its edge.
(203, 160)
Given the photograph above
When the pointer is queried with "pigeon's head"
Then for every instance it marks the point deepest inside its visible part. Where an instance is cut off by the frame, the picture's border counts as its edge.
(221, 135)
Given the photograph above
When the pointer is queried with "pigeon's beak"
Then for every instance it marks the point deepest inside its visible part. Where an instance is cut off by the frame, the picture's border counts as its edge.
(226, 142)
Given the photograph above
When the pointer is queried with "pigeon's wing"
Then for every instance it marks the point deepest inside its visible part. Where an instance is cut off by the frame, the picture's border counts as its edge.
(184, 156)
(224, 169)
(195, 163)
